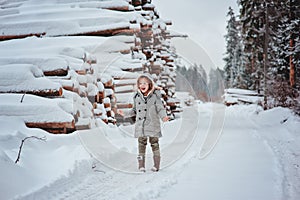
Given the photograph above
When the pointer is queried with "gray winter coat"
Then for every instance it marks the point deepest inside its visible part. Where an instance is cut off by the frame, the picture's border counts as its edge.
(148, 110)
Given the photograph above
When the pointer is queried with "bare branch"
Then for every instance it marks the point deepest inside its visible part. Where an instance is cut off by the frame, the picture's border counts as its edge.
(22, 143)
(23, 97)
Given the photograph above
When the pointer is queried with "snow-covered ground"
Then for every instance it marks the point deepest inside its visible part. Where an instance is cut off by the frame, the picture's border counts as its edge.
(256, 156)
(210, 151)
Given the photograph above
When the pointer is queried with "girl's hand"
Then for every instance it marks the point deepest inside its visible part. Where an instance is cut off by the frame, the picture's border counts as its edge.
(165, 119)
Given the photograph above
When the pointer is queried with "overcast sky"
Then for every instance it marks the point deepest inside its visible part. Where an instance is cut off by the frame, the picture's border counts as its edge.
(204, 21)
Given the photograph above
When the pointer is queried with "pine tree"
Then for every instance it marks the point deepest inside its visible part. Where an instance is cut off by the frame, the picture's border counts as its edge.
(232, 52)
(194, 80)
(283, 76)
(294, 8)
(270, 35)
(252, 20)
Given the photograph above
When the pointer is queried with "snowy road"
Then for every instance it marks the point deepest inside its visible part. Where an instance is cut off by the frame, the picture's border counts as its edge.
(241, 165)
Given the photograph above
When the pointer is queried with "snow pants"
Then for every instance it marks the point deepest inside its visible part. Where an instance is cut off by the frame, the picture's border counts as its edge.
(154, 145)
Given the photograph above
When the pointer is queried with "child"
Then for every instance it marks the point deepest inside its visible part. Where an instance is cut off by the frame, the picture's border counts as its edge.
(148, 109)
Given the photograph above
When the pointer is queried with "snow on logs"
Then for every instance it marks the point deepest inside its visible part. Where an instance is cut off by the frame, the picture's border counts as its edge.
(234, 96)
(52, 115)
(79, 85)
(110, 5)
(105, 18)
(73, 70)
(26, 78)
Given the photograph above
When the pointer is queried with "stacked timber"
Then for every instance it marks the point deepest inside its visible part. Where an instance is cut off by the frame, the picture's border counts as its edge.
(155, 46)
(234, 96)
(69, 73)
(83, 18)
(64, 67)
(38, 112)
(158, 60)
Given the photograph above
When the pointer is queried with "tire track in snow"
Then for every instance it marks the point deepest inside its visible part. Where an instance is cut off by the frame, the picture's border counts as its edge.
(70, 187)
(87, 184)
(214, 131)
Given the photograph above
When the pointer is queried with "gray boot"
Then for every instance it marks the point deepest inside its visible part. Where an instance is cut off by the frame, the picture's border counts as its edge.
(141, 162)
(156, 166)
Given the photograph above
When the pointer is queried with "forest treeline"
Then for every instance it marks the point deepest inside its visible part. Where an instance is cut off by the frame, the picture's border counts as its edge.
(263, 50)
(262, 54)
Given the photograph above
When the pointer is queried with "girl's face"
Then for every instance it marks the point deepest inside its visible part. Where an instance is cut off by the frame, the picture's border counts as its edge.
(143, 85)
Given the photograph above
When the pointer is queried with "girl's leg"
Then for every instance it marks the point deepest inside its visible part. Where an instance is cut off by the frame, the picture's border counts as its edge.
(142, 151)
(156, 153)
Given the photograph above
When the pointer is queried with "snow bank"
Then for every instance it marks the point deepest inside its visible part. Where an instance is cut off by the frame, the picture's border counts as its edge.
(270, 138)
(41, 162)
(279, 127)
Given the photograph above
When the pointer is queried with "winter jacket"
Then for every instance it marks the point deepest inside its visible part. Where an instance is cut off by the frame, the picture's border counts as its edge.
(148, 110)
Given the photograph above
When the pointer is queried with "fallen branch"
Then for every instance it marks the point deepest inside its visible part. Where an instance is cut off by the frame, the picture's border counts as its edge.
(22, 143)
(22, 97)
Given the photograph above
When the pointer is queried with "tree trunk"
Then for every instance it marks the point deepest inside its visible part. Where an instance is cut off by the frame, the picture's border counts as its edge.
(266, 57)
(292, 66)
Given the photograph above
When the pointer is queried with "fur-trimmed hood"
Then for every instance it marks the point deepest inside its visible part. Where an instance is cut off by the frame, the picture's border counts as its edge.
(149, 77)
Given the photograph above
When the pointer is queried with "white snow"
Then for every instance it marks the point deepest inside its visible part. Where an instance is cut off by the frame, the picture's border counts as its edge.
(235, 96)
(209, 151)
(49, 53)
(69, 53)
(34, 108)
(255, 157)
(24, 77)
(51, 18)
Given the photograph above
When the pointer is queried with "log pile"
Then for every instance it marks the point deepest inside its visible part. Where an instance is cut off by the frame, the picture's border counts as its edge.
(98, 95)
(241, 96)
(64, 26)
(159, 62)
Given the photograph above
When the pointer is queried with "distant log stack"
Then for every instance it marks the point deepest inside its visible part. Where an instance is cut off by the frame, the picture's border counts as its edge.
(241, 96)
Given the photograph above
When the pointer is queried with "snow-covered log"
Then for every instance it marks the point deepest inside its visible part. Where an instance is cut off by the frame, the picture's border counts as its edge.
(57, 72)
(100, 96)
(83, 18)
(234, 96)
(76, 55)
(18, 36)
(25, 78)
(136, 3)
(52, 115)
(53, 127)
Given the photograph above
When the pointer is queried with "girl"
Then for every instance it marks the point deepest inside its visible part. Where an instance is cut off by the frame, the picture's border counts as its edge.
(149, 110)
